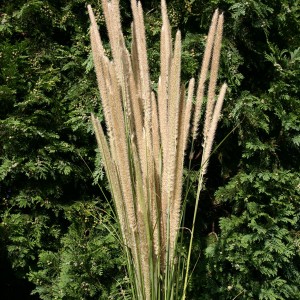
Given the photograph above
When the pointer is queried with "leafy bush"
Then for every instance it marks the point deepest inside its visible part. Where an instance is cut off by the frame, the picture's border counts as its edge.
(257, 254)
(88, 264)
(48, 90)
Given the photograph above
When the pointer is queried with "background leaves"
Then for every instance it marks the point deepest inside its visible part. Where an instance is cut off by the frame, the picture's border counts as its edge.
(248, 232)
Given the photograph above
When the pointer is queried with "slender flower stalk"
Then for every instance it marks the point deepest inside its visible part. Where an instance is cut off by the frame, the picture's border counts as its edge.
(147, 137)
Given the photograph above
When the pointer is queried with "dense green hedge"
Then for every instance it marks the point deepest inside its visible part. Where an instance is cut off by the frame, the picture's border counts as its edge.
(56, 230)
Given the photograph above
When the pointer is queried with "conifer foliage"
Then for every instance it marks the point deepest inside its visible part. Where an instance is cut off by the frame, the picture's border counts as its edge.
(57, 238)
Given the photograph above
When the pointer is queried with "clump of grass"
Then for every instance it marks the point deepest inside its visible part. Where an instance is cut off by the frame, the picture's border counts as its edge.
(147, 136)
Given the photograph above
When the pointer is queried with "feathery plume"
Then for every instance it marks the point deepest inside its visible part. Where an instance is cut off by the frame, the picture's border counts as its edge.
(213, 75)
(203, 73)
(147, 137)
(212, 130)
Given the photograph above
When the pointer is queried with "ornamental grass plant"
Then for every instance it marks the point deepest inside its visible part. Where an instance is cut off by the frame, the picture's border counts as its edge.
(144, 142)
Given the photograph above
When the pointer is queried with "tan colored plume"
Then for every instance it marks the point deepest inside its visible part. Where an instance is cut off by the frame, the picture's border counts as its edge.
(148, 133)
